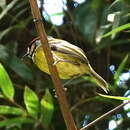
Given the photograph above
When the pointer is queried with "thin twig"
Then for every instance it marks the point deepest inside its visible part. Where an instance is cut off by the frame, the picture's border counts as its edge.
(70, 124)
(8, 7)
(104, 116)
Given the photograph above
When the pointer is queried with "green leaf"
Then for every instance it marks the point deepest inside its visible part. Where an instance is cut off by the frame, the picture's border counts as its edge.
(114, 97)
(120, 69)
(116, 23)
(88, 20)
(4, 109)
(47, 108)
(15, 63)
(15, 121)
(116, 30)
(31, 101)
(6, 85)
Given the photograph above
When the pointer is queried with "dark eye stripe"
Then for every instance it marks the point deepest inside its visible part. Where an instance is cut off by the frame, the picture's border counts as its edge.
(35, 39)
(32, 46)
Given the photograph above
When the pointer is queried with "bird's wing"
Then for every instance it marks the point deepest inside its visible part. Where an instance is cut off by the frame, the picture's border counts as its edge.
(67, 48)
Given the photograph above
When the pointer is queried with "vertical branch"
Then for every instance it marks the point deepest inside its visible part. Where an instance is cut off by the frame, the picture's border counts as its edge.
(54, 74)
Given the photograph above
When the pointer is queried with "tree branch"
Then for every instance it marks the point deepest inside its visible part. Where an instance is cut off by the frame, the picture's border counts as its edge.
(104, 116)
(54, 74)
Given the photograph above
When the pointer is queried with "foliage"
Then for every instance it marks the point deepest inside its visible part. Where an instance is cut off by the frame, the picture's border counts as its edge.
(28, 115)
(100, 28)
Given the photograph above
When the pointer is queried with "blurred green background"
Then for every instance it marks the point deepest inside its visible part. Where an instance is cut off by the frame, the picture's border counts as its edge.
(82, 23)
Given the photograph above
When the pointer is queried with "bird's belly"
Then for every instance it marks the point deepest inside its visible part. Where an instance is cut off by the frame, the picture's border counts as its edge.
(66, 70)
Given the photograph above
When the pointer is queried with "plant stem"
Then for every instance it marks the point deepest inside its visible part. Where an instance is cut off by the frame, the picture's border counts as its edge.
(104, 116)
(54, 74)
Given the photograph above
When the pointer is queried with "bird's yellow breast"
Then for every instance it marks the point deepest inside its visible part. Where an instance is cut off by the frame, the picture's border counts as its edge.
(67, 70)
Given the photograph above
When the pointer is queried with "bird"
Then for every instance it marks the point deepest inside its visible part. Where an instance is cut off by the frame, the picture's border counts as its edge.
(69, 59)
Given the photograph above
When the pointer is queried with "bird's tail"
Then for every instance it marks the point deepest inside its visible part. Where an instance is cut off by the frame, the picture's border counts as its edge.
(99, 80)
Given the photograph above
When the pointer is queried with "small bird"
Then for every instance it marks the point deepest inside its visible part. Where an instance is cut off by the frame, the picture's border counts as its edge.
(70, 60)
